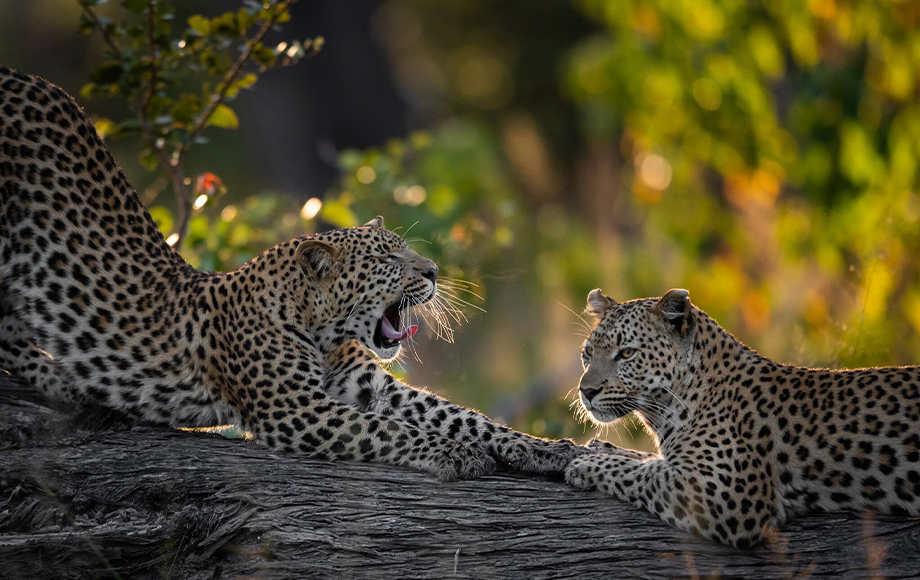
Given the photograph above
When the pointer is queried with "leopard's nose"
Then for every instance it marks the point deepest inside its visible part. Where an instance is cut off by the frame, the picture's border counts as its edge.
(589, 392)
(431, 273)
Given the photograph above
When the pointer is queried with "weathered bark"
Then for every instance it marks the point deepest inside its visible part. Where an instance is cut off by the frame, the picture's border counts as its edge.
(77, 501)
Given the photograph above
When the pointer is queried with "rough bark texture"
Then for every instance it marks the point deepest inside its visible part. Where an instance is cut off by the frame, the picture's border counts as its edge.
(94, 497)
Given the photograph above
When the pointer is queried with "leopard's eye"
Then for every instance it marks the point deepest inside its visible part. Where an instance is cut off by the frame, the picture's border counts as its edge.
(626, 353)
(392, 258)
(587, 351)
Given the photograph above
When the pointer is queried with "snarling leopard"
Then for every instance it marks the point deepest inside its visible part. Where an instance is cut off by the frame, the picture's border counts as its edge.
(96, 306)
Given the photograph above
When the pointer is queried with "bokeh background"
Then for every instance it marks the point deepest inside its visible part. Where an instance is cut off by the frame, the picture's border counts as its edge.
(761, 154)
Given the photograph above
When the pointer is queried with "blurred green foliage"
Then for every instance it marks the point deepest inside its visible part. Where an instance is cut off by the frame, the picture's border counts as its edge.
(761, 154)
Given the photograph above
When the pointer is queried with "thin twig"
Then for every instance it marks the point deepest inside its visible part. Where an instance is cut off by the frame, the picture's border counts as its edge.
(151, 41)
(232, 74)
(184, 201)
(172, 165)
(102, 32)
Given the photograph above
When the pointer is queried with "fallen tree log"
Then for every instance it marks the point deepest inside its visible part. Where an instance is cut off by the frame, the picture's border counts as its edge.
(95, 497)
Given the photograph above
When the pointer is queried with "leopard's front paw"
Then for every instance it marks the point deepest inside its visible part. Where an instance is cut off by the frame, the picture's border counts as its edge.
(537, 456)
(599, 446)
(461, 461)
(578, 474)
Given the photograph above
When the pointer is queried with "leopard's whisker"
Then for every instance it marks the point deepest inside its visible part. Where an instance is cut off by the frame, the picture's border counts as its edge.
(676, 398)
(666, 413)
(434, 308)
(454, 288)
(414, 240)
(460, 301)
(452, 310)
(352, 311)
(406, 320)
(434, 314)
(580, 321)
(459, 281)
(409, 229)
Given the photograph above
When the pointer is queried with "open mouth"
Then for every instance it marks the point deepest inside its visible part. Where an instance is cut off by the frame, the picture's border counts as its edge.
(389, 333)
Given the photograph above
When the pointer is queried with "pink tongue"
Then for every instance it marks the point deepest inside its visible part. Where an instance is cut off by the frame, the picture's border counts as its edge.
(393, 334)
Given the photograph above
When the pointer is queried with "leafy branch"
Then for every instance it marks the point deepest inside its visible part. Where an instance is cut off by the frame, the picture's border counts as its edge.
(147, 68)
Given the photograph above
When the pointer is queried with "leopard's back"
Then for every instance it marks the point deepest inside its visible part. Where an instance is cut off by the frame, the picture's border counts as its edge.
(845, 440)
(61, 191)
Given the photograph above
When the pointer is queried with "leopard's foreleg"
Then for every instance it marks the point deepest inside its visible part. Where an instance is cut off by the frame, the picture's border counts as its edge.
(357, 379)
(323, 427)
(715, 505)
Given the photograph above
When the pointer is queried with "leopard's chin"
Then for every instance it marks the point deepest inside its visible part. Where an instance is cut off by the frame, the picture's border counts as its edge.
(388, 353)
(606, 414)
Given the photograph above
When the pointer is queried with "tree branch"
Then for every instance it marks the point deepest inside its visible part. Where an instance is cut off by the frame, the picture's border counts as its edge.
(171, 164)
(76, 502)
(151, 42)
(233, 73)
(102, 32)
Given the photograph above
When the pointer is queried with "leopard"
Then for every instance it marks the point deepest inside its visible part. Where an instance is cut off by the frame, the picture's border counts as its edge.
(96, 308)
(744, 444)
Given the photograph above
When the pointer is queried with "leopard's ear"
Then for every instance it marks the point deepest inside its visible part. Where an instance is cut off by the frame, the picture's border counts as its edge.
(316, 257)
(674, 307)
(598, 304)
(377, 222)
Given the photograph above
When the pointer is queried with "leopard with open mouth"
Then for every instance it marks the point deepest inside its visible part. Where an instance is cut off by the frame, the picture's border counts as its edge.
(94, 305)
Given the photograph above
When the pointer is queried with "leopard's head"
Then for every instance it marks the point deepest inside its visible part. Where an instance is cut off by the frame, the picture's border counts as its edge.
(364, 283)
(637, 357)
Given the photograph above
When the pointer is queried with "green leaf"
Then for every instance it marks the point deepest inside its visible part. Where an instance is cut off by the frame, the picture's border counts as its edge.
(129, 126)
(148, 159)
(225, 25)
(185, 110)
(86, 24)
(200, 24)
(338, 214)
(264, 55)
(246, 81)
(105, 127)
(215, 61)
(279, 13)
(243, 82)
(163, 218)
(224, 117)
(244, 20)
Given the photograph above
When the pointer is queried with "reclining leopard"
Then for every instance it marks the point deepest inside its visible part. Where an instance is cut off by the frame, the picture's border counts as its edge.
(745, 443)
(95, 305)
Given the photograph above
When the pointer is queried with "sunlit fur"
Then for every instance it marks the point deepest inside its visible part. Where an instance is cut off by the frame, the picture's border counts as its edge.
(96, 306)
(647, 382)
(372, 268)
(745, 443)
